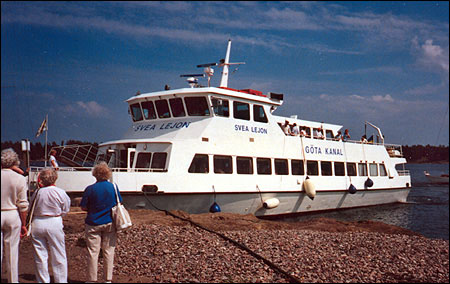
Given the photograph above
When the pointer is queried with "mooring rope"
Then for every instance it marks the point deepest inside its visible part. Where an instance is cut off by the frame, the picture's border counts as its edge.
(276, 268)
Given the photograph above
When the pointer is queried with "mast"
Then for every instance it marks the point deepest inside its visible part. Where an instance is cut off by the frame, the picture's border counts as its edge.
(224, 80)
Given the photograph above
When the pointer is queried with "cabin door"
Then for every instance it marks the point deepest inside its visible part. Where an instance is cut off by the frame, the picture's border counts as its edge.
(130, 159)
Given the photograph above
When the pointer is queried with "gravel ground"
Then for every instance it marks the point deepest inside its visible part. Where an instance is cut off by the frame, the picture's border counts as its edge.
(159, 248)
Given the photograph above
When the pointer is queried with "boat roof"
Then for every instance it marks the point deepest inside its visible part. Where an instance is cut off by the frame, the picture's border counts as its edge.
(242, 94)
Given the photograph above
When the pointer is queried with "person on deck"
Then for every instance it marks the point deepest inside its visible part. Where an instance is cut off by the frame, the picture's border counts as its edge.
(52, 160)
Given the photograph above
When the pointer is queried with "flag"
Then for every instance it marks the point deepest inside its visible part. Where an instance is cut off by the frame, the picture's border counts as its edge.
(43, 127)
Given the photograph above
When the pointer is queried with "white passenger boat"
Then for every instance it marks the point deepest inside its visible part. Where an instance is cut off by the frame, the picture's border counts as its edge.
(191, 148)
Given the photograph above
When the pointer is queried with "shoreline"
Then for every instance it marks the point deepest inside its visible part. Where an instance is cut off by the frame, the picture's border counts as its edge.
(160, 248)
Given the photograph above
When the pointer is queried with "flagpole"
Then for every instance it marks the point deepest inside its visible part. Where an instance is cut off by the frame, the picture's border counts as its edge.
(46, 132)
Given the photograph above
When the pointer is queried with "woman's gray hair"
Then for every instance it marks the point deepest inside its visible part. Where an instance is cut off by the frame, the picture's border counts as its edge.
(101, 171)
(9, 158)
(48, 176)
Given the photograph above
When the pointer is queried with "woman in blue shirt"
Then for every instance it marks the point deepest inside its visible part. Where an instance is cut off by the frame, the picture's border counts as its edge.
(100, 232)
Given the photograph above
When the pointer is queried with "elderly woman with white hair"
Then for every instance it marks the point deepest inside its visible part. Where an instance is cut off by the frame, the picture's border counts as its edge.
(47, 235)
(14, 212)
(100, 232)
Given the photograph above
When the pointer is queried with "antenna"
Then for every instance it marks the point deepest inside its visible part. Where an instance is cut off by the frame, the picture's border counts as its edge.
(225, 63)
(192, 81)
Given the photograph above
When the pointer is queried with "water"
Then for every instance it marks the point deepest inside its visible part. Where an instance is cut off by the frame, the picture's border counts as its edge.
(426, 210)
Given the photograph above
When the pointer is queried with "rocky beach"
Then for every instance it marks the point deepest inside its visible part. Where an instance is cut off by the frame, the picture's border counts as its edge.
(161, 248)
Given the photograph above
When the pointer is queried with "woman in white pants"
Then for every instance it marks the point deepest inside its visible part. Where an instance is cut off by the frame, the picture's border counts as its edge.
(47, 235)
(14, 212)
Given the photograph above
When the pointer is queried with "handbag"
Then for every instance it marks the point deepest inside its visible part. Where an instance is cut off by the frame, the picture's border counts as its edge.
(120, 215)
(29, 218)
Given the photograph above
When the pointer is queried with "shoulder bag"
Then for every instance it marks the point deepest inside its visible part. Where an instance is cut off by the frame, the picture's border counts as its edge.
(120, 215)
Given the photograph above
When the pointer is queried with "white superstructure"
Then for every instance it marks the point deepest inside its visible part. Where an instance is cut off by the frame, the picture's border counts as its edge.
(188, 148)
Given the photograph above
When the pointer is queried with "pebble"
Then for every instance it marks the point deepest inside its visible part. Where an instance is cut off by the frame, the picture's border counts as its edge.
(189, 254)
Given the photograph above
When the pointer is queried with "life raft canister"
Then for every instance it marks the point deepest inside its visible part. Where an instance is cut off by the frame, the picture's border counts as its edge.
(310, 188)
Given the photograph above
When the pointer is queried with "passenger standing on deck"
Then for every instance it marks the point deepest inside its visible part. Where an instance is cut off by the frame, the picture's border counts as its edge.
(346, 135)
(294, 130)
(14, 212)
(100, 232)
(286, 128)
(47, 235)
(338, 136)
(52, 160)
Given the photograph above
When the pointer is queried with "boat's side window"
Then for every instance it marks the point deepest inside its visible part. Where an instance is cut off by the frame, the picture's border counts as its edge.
(362, 169)
(297, 167)
(326, 169)
(373, 169)
(176, 105)
(199, 164)
(329, 134)
(136, 112)
(241, 110)
(244, 165)
(197, 106)
(312, 168)
(383, 171)
(163, 108)
(339, 169)
(351, 169)
(263, 166)
(221, 107)
(281, 167)
(223, 164)
(307, 130)
(258, 114)
(159, 161)
(149, 110)
(143, 161)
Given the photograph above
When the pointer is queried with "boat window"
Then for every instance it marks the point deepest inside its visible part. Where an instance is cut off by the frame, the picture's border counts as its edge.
(383, 171)
(220, 107)
(244, 165)
(339, 169)
(329, 134)
(351, 169)
(281, 167)
(362, 169)
(159, 161)
(312, 168)
(258, 114)
(149, 110)
(143, 161)
(297, 167)
(307, 130)
(197, 106)
(223, 165)
(163, 108)
(241, 110)
(263, 166)
(373, 170)
(176, 105)
(318, 133)
(199, 164)
(136, 112)
(325, 167)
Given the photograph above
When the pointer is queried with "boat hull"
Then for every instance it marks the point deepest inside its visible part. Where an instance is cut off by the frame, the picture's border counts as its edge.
(252, 203)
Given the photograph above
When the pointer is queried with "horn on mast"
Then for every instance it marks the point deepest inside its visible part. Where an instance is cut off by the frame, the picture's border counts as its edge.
(224, 80)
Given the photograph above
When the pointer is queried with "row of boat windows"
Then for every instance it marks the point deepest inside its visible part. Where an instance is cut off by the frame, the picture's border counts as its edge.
(194, 106)
(244, 165)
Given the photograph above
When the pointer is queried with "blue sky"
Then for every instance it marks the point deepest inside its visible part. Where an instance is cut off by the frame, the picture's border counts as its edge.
(336, 62)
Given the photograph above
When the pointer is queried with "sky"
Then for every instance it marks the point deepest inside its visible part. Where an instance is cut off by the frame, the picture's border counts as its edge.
(335, 62)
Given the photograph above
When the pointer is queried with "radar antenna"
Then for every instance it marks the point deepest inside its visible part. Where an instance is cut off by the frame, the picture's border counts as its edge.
(193, 82)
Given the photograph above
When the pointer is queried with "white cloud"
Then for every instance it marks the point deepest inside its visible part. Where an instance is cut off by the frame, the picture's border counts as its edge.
(386, 98)
(91, 108)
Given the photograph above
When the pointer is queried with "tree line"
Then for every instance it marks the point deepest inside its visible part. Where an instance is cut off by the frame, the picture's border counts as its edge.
(413, 154)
